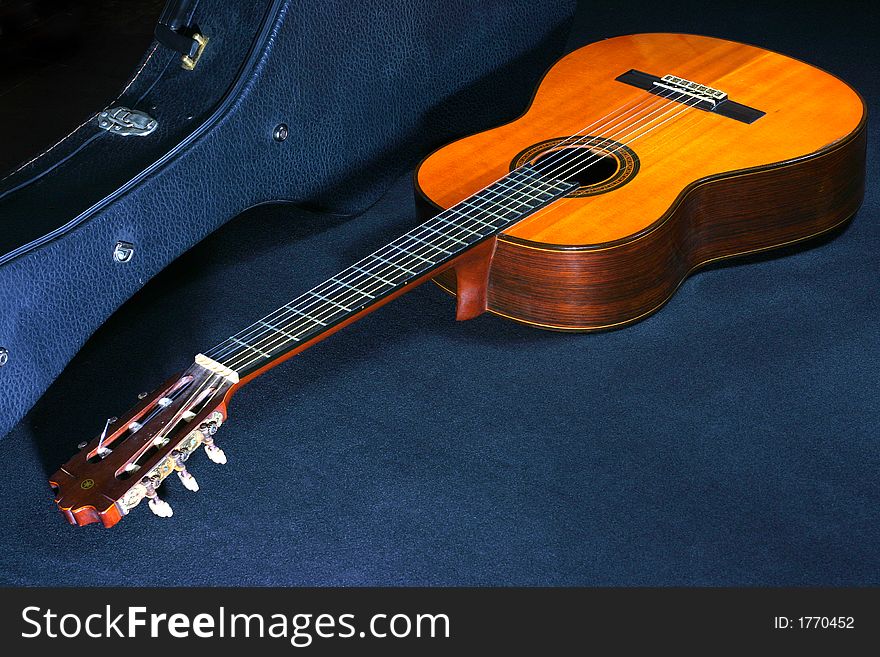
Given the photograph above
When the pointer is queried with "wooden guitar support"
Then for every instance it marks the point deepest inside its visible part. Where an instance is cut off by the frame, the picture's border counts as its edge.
(472, 278)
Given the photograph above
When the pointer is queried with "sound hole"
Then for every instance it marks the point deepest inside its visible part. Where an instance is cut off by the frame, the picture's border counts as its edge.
(584, 166)
(597, 164)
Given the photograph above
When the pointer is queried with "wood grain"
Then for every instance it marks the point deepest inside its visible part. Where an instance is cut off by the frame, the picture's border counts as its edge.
(708, 187)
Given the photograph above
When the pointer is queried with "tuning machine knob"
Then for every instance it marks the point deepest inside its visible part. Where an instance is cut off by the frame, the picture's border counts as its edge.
(208, 430)
(160, 507)
(214, 453)
(189, 482)
(157, 505)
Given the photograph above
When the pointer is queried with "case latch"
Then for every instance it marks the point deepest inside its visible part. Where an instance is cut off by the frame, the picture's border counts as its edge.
(124, 121)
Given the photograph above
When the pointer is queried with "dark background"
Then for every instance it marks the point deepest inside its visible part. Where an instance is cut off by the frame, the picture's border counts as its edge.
(729, 439)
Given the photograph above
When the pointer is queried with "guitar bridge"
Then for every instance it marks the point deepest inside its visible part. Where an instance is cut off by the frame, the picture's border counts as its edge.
(699, 91)
(708, 99)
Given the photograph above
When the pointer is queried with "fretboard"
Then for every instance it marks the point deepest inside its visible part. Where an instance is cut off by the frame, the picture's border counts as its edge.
(409, 257)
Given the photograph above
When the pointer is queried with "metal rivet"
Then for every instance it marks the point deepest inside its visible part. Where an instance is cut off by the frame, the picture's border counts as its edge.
(4, 356)
(281, 132)
(123, 251)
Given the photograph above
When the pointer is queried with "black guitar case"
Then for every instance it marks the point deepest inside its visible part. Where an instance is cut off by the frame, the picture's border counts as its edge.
(235, 104)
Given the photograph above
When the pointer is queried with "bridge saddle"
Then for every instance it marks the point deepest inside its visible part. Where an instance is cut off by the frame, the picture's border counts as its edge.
(693, 89)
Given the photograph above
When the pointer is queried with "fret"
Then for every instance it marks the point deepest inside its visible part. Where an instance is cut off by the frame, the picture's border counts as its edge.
(363, 271)
(409, 253)
(351, 287)
(462, 226)
(495, 209)
(425, 226)
(413, 237)
(302, 314)
(335, 303)
(545, 194)
(481, 235)
(251, 347)
(278, 330)
(392, 264)
(499, 210)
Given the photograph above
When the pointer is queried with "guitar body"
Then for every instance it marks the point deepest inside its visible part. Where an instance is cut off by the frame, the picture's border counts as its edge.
(673, 191)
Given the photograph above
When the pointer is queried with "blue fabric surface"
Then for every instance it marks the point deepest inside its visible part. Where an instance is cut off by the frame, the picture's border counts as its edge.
(730, 439)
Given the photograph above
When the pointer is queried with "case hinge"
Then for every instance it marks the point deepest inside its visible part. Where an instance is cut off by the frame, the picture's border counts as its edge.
(174, 30)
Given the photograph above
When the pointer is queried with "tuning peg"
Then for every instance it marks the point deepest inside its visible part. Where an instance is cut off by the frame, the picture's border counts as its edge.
(183, 474)
(160, 507)
(214, 453)
(189, 482)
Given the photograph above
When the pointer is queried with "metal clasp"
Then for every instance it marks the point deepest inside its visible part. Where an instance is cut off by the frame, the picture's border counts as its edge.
(123, 251)
(124, 121)
(177, 30)
(189, 62)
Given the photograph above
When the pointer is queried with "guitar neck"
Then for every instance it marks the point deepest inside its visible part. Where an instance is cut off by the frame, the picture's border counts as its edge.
(421, 253)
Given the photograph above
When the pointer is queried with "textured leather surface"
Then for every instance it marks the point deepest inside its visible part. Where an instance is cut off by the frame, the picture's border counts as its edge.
(90, 164)
(366, 88)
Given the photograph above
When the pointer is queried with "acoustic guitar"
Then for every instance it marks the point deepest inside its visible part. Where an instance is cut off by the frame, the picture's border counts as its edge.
(640, 159)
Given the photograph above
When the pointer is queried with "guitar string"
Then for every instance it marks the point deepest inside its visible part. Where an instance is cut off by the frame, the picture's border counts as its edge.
(552, 205)
(549, 208)
(686, 124)
(278, 340)
(278, 332)
(417, 233)
(329, 291)
(214, 379)
(604, 121)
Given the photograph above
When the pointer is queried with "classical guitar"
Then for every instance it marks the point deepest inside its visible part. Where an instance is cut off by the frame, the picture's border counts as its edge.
(640, 159)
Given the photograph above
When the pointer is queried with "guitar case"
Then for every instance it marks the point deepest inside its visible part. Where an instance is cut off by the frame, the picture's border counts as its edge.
(235, 104)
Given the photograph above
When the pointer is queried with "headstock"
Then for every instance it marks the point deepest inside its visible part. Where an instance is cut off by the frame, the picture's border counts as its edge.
(128, 461)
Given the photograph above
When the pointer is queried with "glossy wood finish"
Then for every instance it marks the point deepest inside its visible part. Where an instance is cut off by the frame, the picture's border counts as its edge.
(708, 187)
(88, 489)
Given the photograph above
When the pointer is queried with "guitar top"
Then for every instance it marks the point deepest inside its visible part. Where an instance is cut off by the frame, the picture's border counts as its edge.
(640, 159)
(780, 159)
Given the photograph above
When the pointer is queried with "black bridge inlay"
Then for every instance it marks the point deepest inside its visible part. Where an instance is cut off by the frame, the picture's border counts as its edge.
(728, 108)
